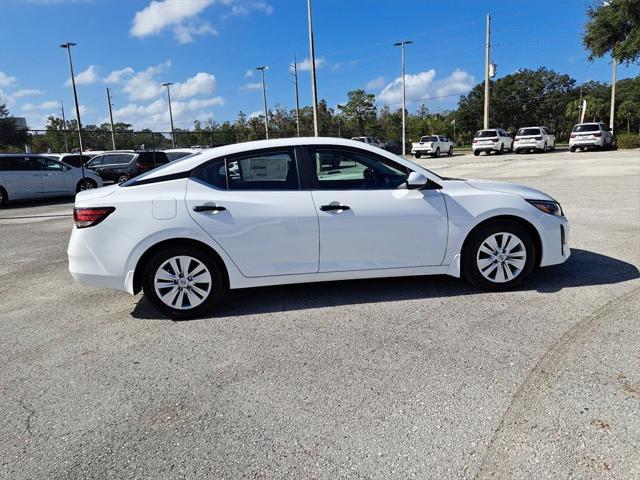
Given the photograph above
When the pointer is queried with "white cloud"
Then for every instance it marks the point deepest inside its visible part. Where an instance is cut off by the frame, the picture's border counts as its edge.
(143, 85)
(200, 84)
(424, 85)
(118, 76)
(376, 83)
(27, 92)
(249, 74)
(86, 77)
(185, 33)
(159, 15)
(6, 80)
(256, 114)
(48, 105)
(242, 9)
(305, 65)
(251, 86)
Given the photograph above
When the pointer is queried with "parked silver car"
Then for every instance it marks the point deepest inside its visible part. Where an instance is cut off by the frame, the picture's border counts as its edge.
(25, 176)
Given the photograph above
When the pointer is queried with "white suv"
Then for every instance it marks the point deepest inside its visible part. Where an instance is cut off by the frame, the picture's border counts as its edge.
(590, 135)
(432, 145)
(534, 138)
(493, 140)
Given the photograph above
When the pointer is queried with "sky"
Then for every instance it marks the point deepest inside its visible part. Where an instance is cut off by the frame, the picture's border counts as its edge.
(210, 48)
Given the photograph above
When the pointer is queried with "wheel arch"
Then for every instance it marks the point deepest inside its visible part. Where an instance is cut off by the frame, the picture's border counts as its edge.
(82, 179)
(537, 240)
(173, 242)
(5, 195)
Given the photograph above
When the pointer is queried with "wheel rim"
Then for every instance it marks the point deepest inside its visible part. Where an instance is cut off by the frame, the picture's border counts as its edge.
(122, 179)
(86, 185)
(182, 282)
(501, 257)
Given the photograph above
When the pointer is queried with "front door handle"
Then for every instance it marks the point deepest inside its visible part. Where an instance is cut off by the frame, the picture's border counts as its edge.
(332, 208)
(209, 208)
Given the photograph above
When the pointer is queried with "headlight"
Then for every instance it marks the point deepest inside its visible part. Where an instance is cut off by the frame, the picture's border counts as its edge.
(547, 206)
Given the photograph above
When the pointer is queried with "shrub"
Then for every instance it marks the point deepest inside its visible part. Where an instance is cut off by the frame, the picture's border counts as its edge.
(628, 140)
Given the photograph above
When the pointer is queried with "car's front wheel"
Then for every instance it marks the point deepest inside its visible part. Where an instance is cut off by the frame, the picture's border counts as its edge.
(122, 179)
(418, 155)
(183, 283)
(85, 184)
(498, 256)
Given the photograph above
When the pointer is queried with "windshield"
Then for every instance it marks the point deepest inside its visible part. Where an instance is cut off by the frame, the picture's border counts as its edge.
(528, 131)
(593, 127)
(429, 139)
(486, 133)
(158, 169)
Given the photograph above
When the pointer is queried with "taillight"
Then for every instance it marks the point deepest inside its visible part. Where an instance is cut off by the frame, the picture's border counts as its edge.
(495, 139)
(475, 140)
(88, 217)
(139, 166)
(598, 134)
(538, 138)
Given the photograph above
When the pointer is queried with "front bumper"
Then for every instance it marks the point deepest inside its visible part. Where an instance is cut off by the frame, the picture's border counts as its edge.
(554, 237)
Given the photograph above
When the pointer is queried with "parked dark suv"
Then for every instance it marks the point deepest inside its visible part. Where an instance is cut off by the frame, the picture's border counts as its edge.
(121, 166)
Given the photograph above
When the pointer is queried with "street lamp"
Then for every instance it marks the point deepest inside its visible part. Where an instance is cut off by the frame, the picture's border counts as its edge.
(68, 46)
(312, 59)
(173, 132)
(404, 94)
(264, 97)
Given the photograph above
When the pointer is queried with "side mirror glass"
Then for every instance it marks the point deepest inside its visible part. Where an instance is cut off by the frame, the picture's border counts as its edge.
(416, 180)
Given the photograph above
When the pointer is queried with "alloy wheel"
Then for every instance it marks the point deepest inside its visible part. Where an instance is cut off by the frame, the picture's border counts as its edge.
(86, 185)
(501, 257)
(182, 282)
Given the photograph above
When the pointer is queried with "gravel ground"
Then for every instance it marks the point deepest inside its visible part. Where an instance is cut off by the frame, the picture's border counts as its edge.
(420, 377)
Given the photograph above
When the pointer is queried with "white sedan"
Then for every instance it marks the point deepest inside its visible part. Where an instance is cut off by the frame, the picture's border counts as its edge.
(304, 210)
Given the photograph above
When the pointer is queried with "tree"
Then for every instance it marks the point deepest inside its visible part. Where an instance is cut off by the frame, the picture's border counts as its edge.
(360, 110)
(629, 111)
(613, 27)
(10, 134)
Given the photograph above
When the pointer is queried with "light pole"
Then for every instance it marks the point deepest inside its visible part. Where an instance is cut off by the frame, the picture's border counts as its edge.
(487, 57)
(64, 128)
(173, 132)
(113, 135)
(402, 45)
(312, 59)
(295, 82)
(264, 97)
(68, 46)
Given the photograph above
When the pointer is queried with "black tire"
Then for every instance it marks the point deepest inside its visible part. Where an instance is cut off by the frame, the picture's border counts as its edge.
(501, 149)
(85, 184)
(437, 153)
(476, 153)
(215, 294)
(418, 155)
(470, 270)
(450, 152)
(4, 198)
(122, 179)
(517, 151)
(511, 148)
(545, 149)
(572, 149)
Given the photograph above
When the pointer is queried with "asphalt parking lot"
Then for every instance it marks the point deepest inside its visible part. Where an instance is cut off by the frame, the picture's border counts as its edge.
(420, 377)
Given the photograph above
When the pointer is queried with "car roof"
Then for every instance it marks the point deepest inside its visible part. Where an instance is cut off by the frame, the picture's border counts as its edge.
(189, 163)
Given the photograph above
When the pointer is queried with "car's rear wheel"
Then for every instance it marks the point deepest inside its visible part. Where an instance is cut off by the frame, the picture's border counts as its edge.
(572, 149)
(182, 282)
(122, 179)
(476, 152)
(85, 184)
(501, 148)
(498, 256)
(3, 197)
(450, 153)
(545, 149)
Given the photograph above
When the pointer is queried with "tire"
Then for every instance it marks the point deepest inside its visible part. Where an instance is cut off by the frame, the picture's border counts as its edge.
(418, 155)
(511, 148)
(203, 295)
(572, 149)
(437, 154)
(476, 153)
(517, 151)
(501, 151)
(545, 149)
(4, 198)
(122, 179)
(85, 184)
(450, 152)
(517, 260)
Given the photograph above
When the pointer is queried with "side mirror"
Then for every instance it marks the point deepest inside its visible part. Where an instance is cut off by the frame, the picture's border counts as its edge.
(416, 180)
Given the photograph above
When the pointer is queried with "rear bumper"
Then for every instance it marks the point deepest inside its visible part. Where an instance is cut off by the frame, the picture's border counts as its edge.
(539, 145)
(486, 148)
(586, 143)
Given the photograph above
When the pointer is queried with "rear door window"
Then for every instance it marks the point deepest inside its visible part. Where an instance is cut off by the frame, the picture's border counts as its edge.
(271, 170)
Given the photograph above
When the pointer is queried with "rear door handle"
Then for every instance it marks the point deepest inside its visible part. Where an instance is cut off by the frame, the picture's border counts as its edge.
(332, 208)
(209, 208)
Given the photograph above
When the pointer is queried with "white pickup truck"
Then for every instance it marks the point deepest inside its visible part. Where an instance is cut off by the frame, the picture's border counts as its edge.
(432, 145)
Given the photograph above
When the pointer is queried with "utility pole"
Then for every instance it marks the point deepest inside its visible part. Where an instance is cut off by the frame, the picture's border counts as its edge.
(264, 98)
(613, 94)
(312, 59)
(173, 132)
(580, 106)
(402, 45)
(68, 46)
(64, 128)
(486, 73)
(113, 135)
(295, 82)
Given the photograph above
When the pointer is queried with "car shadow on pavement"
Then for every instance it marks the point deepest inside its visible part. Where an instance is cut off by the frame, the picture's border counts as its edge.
(19, 204)
(584, 268)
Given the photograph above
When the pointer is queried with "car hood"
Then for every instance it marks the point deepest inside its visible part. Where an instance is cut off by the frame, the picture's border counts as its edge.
(512, 188)
(96, 193)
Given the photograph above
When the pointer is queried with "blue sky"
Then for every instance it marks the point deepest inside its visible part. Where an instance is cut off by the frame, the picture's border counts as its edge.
(211, 47)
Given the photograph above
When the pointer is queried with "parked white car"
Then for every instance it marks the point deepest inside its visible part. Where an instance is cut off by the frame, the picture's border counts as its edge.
(373, 141)
(304, 210)
(534, 138)
(493, 140)
(590, 135)
(25, 176)
(432, 145)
